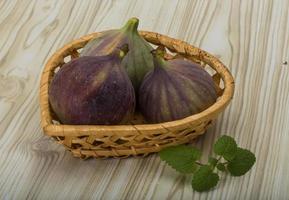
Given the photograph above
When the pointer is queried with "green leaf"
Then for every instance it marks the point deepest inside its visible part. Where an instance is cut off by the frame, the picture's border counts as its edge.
(182, 158)
(204, 179)
(213, 161)
(221, 167)
(226, 147)
(242, 163)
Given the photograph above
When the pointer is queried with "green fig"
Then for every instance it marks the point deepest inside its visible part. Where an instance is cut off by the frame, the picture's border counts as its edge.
(93, 90)
(175, 89)
(138, 60)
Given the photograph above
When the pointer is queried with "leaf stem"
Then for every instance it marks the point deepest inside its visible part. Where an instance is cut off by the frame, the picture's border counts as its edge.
(198, 163)
(218, 160)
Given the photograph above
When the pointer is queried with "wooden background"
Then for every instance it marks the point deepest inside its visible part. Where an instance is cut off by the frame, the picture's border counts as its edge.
(250, 37)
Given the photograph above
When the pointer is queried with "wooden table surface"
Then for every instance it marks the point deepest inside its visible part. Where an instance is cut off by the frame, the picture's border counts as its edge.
(250, 37)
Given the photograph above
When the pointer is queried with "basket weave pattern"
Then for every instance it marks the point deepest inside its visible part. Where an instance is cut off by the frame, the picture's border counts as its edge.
(135, 139)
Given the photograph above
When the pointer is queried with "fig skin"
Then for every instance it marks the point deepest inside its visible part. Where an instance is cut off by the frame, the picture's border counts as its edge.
(175, 89)
(92, 90)
(137, 62)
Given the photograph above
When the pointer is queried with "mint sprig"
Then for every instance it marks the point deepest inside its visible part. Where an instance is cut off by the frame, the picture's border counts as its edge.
(204, 179)
(226, 147)
(230, 158)
(242, 162)
(182, 158)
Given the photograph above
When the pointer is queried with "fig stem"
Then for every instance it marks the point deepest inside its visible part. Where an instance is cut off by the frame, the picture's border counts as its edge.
(159, 52)
(131, 25)
(158, 57)
(123, 50)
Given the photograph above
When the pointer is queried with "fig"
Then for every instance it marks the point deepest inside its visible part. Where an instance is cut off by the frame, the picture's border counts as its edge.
(137, 62)
(175, 89)
(93, 90)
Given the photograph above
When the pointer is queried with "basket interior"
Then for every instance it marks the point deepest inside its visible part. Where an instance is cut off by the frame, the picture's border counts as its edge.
(138, 118)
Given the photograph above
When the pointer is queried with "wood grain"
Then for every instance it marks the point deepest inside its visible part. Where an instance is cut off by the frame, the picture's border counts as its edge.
(250, 37)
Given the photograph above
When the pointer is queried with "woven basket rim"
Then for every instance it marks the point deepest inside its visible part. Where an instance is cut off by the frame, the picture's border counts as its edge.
(155, 38)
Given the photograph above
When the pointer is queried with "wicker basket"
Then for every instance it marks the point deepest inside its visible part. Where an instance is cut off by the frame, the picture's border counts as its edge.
(136, 139)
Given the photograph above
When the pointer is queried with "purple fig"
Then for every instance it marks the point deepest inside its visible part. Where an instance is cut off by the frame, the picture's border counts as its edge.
(92, 90)
(175, 89)
(137, 62)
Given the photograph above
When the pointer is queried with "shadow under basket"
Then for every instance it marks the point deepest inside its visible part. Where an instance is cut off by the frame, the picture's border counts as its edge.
(86, 141)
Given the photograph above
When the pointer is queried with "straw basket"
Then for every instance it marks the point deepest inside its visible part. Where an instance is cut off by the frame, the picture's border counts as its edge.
(136, 139)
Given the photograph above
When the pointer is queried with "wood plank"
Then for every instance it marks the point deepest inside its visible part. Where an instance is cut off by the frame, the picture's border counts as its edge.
(250, 37)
